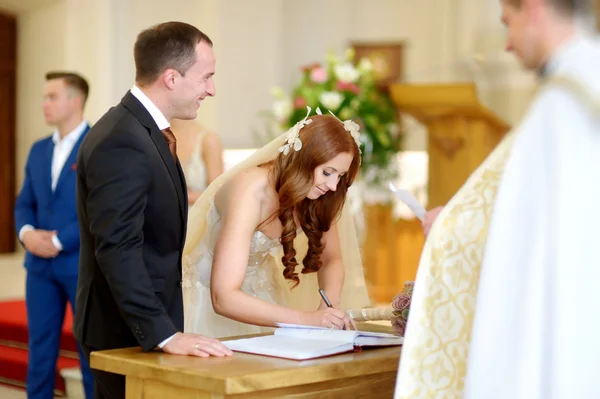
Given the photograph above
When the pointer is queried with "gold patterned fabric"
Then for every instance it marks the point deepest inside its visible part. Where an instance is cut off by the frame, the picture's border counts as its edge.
(535, 361)
(435, 351)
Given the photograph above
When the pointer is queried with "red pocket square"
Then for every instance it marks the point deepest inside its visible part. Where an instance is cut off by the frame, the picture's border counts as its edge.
(74, 166)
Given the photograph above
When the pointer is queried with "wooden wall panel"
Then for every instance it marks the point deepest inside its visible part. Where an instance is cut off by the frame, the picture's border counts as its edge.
(8, 64)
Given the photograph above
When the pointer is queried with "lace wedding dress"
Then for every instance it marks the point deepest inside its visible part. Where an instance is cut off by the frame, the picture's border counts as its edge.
(261, 281)
(264, 274)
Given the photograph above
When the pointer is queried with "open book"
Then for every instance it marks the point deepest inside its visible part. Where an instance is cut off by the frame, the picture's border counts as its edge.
(296, 342)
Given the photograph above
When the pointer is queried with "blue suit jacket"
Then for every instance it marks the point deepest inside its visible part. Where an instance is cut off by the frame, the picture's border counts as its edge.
(38, 206)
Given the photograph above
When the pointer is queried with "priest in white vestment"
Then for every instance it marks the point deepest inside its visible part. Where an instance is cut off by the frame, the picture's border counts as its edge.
(506, 302)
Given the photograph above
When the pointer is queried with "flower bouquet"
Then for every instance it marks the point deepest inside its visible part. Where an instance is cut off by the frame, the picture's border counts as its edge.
(397, 313)
(346, 87)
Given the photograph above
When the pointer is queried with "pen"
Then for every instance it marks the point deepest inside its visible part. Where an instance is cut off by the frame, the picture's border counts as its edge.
(327, 302)
(325, 299)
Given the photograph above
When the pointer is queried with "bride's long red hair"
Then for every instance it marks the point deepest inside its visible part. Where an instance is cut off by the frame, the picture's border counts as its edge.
(293, 175)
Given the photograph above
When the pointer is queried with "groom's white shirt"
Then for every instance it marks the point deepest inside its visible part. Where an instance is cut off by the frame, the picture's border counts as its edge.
(162, 124)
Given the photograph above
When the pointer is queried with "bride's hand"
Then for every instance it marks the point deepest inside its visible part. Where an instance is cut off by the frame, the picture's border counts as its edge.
(330, 318)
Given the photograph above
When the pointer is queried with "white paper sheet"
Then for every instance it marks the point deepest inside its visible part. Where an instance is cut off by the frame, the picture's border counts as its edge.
(410, 201)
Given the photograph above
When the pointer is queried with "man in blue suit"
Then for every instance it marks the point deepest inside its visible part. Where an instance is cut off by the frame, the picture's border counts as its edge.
(47, 226)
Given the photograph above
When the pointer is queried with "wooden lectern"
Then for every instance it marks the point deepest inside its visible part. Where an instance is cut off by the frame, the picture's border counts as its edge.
(156, 375)
(462, 132)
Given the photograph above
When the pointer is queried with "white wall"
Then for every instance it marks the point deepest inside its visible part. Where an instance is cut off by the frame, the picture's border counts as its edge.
(249, 49)
(40, 48)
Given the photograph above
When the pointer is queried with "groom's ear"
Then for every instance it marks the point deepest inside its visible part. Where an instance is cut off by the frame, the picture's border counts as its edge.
(169, 78)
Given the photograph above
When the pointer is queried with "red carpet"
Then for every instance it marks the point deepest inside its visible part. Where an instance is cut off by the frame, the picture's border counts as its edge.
(13, 345)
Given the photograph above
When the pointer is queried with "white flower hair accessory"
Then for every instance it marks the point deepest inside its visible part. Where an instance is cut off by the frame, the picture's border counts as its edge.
(351, 127)
(293, 135)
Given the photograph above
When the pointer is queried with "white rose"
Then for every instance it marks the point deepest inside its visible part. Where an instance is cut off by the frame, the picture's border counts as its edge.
(331, 100)
(346, 72)
(282, 109)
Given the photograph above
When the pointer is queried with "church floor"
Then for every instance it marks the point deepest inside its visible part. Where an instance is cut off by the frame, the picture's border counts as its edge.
(12, 276)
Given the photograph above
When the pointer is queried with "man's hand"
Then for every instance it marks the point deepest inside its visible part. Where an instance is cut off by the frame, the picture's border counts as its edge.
(39, 243)
(429, 218)
(196, 345)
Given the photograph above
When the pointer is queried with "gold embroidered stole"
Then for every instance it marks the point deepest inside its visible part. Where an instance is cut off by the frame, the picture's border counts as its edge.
(435, 354)
(434, 357)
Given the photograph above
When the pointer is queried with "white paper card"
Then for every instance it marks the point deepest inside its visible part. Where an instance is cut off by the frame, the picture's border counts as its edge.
(413, 204)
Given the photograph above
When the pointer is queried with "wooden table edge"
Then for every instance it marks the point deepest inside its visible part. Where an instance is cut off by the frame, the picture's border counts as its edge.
(236, 384)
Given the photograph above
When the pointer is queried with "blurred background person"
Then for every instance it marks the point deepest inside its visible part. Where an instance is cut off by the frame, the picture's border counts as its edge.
(46, 223)
(200, 153)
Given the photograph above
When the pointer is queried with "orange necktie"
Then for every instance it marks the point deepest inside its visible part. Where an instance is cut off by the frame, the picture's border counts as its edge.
(171, 141)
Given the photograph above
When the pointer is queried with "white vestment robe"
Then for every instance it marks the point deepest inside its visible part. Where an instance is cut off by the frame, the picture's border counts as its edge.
(505, 302)
(536, 333)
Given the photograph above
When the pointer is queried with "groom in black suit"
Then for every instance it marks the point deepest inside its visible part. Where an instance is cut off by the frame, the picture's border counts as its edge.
(132, 207)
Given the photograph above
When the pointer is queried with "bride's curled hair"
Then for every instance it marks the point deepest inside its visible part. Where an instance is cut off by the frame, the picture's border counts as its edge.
(293, 174)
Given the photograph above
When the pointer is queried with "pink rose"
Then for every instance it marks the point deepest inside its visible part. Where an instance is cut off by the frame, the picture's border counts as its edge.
(318, 75)
(399, 326)
(348, 86)
(299, 102)
(409, 286)
(401, 302)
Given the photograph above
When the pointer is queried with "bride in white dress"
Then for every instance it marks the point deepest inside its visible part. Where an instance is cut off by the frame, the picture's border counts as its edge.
(251, 225)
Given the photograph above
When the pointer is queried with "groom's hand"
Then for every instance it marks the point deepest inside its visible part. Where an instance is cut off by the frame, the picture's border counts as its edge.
(195, 345)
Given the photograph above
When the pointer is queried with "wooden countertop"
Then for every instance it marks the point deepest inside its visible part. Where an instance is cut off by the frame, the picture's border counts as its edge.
(246, 373)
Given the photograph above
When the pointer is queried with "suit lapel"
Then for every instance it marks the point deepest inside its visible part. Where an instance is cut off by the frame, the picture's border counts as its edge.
(185, 202)
(133, 104)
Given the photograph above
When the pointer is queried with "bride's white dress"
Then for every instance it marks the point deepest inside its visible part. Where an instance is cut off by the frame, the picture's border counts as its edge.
(261, 281)
(264, 274)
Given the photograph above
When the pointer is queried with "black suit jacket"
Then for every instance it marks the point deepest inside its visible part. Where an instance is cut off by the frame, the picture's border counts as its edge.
(132, 208)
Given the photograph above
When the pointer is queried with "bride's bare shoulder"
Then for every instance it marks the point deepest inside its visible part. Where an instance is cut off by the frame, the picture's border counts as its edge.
(249, 184)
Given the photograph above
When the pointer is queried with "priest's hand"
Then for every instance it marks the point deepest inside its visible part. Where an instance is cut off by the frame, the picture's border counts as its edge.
(429, 218)
(195, 345)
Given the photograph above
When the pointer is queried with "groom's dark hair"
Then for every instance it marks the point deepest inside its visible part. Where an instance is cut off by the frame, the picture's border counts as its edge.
(163, 46)
(565, 6)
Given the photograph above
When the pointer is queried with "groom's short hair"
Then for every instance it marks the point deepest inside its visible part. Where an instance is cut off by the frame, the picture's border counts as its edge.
(163, 46)
(564, 6)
